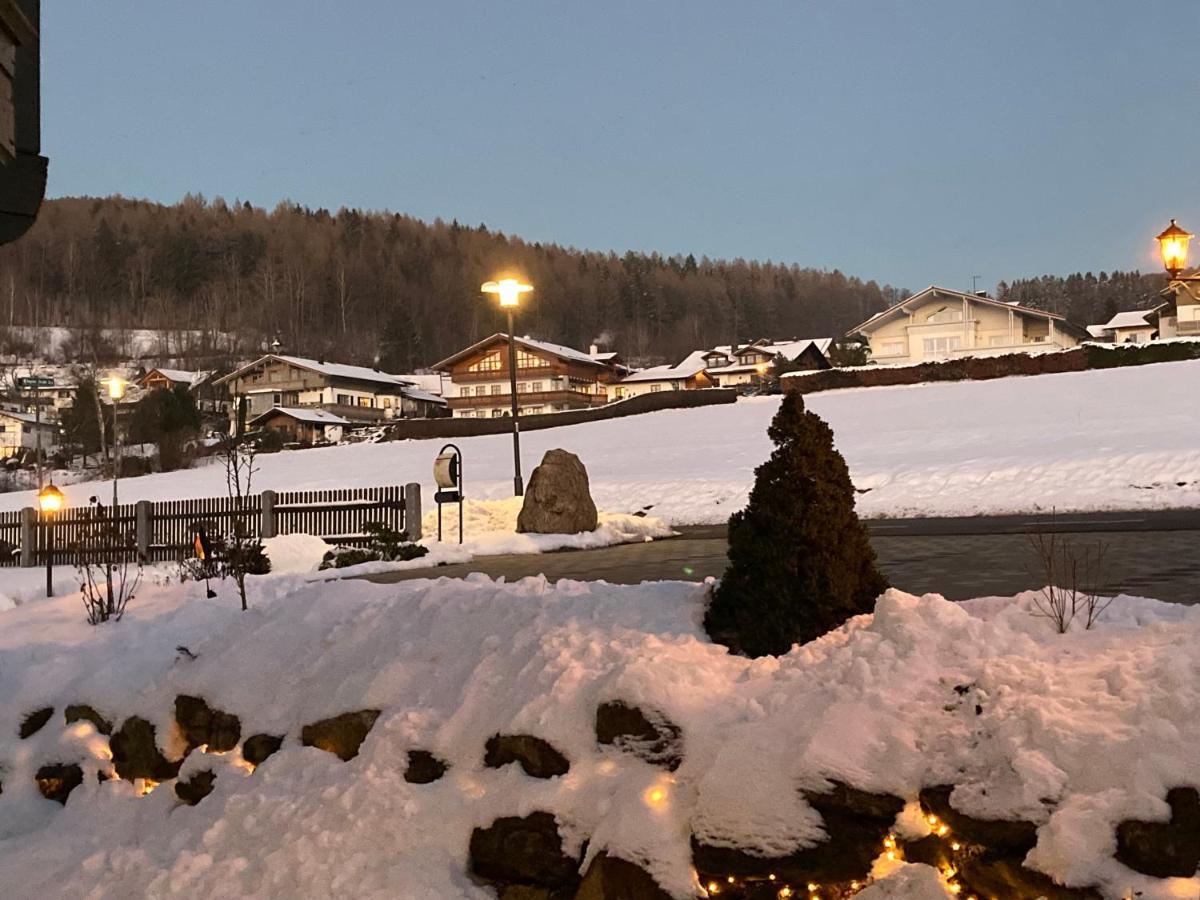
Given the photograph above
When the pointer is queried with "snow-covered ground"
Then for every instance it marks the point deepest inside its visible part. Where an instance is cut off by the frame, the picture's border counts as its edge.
(1075, 732)
(1107, 439)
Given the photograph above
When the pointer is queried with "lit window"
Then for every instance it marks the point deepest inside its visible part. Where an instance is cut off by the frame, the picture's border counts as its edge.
(489, 363)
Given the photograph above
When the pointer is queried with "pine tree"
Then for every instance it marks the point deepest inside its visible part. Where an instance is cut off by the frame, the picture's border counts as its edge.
(800, 563)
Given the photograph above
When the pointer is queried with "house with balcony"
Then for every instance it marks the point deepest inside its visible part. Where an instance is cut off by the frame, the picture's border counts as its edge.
(938, 324)
(1179, 315)
(689, 375)
(550, 378)
(754, 363)
(357, 394)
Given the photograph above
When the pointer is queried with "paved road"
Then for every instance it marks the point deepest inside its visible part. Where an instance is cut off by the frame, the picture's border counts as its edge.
(1155, 554)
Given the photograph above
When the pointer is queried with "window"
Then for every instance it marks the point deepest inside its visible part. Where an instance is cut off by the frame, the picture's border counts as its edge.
(497, 413)
(891, 348)
(464, 392)
(535, 387)
(490, 363)
(523, 388)
(277, 399)
(935, 346)
(496, 389)
(364, 401)
(655, 388)
(945, 314)
(526, 360)
(535, 410)
(344, 400)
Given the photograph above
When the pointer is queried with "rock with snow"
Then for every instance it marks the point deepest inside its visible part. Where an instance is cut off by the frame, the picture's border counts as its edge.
(56, 781)
(341, 735)
(34, 722)
(613, 878)
(648, 735)
(201, 725)
(1008, 835)
(523, 851)
(424, 768)
(539, 758)
(1164, 849)
(558, 499)
(135, 752)
(195, 788)
(258, 747)
(81, 712)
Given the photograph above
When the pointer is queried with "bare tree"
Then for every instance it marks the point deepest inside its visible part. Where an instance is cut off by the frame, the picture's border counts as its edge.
(242, 547)
(108, 564)
(1074, 575)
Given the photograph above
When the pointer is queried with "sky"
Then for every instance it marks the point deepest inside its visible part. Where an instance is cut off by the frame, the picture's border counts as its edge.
(912, 143)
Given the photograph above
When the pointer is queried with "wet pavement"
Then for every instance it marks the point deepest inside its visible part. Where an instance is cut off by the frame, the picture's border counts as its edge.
(1152, 554)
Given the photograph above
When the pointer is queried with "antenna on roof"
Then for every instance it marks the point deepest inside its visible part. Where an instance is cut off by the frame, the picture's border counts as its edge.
(975, 285)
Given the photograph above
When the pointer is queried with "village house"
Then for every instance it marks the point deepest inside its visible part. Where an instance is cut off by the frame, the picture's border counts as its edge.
(550, 378)
(939, 323)
(754, 363)
(357, 394)
(1131, 327)
(689, 375)
(1179, 316)
(302, 425)
(211, 398)
(19, 431)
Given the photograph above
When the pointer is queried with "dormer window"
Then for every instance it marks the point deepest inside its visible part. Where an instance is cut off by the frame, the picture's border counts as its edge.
(944, 315)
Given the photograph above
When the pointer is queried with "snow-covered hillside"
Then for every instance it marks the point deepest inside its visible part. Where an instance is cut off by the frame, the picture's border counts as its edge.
(1071, 732)
(1110, 439)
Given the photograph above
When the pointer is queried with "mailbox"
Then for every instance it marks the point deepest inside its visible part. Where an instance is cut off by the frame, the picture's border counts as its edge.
(445, 469)
(447, 474)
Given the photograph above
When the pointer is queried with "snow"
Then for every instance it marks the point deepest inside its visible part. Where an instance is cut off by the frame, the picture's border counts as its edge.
(1134, 318)
(1076, 732)
(303, 414)
(1122, 438)
(684, 370)
(331, 369)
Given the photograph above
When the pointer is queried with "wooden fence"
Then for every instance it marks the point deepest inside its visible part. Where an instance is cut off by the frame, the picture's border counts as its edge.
(165, 530)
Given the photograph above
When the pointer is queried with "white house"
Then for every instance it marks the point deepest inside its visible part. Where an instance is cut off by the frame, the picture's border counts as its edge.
(19, 430)
(1130, 327)
(939, 323)
(688, 375)
(1179, 316)
(752, 363)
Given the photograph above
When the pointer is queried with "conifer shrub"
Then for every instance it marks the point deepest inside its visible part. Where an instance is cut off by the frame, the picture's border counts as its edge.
(800, 563)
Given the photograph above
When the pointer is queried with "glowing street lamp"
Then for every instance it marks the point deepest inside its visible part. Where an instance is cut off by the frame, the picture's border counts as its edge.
(509, 290)
(116, 385)
(50, 501)
(1173, 245)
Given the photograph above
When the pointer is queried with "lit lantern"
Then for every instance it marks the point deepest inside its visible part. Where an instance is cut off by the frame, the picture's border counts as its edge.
(508, 289)
(50, 499)
(116, 386)
(1173, 245)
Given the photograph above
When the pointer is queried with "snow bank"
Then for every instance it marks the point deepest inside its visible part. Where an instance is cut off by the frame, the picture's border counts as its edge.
(1107, 439)
(1075, 732)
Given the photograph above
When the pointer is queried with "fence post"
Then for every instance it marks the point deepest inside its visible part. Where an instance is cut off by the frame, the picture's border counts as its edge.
(143, 517)
(266, 528)
(28, 536)
(412, 510)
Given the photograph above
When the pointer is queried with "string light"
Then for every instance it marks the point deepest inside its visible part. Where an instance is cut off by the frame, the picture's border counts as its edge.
(785, 892)
(714, 888)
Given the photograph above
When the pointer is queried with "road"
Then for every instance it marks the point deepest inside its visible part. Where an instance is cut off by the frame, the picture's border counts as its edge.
(1153, 554)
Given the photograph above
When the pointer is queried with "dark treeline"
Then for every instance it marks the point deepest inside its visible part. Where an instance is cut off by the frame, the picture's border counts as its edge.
(385, 288)
(1086, 299)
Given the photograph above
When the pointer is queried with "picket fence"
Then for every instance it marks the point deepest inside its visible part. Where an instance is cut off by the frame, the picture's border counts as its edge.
(165, 530)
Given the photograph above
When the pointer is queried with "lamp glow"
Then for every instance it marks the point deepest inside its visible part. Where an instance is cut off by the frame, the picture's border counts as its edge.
(1173, 245)
(116, 386)
(50, 499)
(508, 289)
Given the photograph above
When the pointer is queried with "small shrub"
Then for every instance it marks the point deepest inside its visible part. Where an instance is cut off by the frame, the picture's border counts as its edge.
(386, 544)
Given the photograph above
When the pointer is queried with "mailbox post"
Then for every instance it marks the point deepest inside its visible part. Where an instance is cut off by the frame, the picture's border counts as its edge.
(447, 473)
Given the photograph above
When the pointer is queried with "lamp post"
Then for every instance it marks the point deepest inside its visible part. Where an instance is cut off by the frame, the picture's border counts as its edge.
(509, 291)
(116, 390)
(1173, 245)
(50, 501)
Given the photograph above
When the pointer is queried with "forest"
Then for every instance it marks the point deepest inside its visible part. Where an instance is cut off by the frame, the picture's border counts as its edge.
(228, 280)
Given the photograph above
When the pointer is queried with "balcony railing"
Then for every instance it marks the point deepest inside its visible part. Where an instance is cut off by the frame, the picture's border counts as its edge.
(542, 372)
(528, 398)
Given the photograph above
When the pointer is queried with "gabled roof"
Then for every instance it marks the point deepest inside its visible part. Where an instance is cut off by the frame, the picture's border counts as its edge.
(418, 394)
(28, 418)
(680, 372)
(1134, 318)
(934, 291)
(1097, 331)
(332, 370)
(788, 349)
(308, 414)
(178, 376)
(559, 350)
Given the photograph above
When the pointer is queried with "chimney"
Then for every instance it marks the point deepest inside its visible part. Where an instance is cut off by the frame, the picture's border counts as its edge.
(981, 294)
(593, 349)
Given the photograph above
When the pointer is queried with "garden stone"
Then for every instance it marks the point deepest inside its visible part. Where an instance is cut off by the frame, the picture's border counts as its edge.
(988, 876)
(135, 752)
(537, 757)
(1011, 837)
(81, 712)
(523, 851)
(649, 736)
(203, 726)
(558, 500)
(341, 735)
(196, 788)
(33, 722)
(612, 878)
(57, 781)
(258, 747)
(1164, 849)
(424, 767)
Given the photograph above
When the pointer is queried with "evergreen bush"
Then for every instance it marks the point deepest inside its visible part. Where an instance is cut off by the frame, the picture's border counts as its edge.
(800, 563)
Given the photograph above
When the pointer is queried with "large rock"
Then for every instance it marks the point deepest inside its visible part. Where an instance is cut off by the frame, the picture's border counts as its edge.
(81, 712)
(424, 767)
(537, 757)
(856, 823)
(1013, 837)
(648, 735)
(196, 788)
(1164, 849)
(342, 735)
(558, 499)
(612, 878)
(33, 722)
(58, 780)
(203, 726)
(257, 747)
(135, 752)
(524, 851)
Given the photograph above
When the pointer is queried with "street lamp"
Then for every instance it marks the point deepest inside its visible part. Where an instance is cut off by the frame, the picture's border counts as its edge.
(116, 385)
(509, 291)
(1173, 245)
(50, 500)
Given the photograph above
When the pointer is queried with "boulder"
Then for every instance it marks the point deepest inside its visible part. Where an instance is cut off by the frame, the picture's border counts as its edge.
(81, 712)
(856, 823)
(526, 851)
(424, 767)
(1164, 849)
(989, 876)
(196, 788)
(612, 878)
(558, 499)
(58, 780)
(135, 752)
(33, 722)
(257, 747)
(342, 735)
(537, 757)
(203, 726)
(1013, 837)
(648, 735)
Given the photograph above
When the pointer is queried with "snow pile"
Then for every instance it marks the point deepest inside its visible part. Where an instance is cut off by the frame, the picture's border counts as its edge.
(1075, 732)
(1119, 438)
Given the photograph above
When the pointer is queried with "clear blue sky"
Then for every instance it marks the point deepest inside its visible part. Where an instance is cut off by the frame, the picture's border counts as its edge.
(910, 142)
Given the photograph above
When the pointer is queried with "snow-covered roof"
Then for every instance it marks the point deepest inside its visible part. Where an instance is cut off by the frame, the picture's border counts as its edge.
(789, 349)
(680, 372)
(559, 350)
(179, 376)
(933, 291)
(1098, 331)
(333, 370)
(606, 356)
(427, 396)
(28, 418)
(1134, 318)
(426, 381)
(308, 414)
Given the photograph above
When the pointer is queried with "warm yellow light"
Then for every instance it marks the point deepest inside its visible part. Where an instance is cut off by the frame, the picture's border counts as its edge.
(50, 499)
(785, 892)
(508, 289)
(932, 820)
(811, 886)
(655, 797)
(148, 784)
(116, 386)
(1173, 245)
(956, 846)
(943, 830)
(714, 888)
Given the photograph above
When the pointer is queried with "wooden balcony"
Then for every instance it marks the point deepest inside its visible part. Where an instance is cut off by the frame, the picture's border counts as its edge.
(531, 398)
